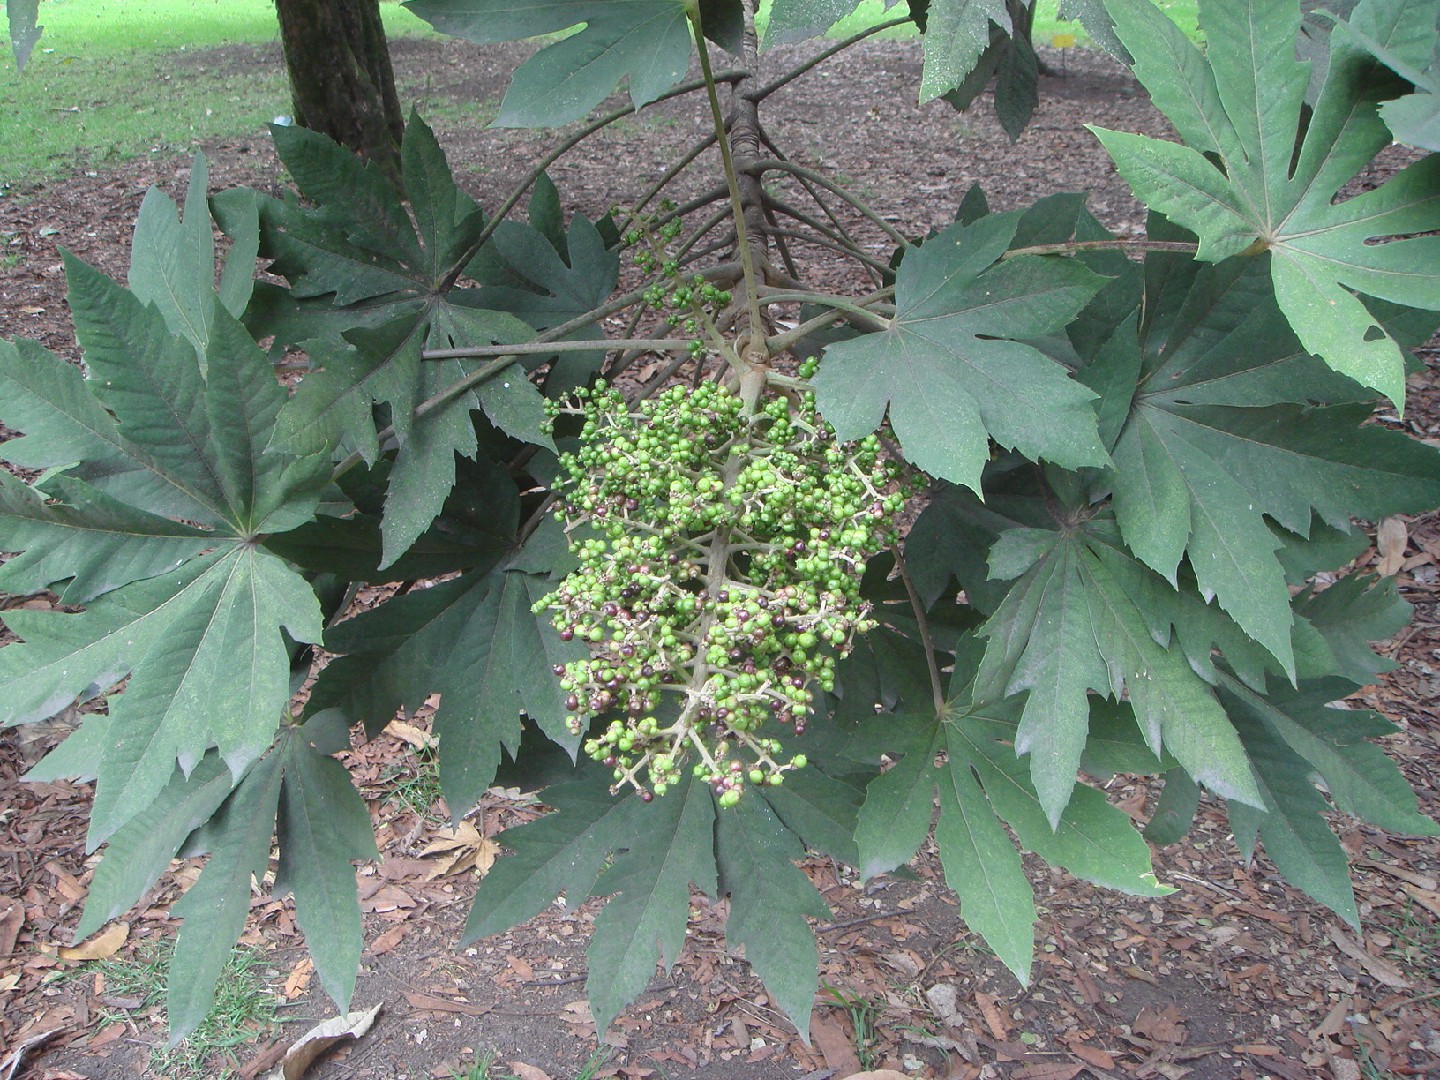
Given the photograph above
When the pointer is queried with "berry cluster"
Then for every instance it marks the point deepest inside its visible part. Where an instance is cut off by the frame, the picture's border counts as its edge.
(721, 550)
(684, 302)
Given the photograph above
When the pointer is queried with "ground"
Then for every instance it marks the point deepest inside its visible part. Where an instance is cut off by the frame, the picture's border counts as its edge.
(1235, 975)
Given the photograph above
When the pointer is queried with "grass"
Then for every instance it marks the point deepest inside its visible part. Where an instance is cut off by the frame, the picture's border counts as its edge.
(244, 1009)
(1047, 20)
(414, 787)
(863, 1013)
(117, 80)
(114, 81)
(485, 1068)
(1415, 943)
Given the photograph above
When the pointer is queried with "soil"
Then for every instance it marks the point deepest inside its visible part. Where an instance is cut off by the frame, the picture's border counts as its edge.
(1234, 976)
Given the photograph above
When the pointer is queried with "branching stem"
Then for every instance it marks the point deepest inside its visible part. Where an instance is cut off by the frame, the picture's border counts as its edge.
(732, 181)
(1072, 246)
(820, 179)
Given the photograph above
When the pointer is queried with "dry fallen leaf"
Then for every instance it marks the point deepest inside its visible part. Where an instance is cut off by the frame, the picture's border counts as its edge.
(1382, 971)
(103, 944)
(419, 739)
(12, 916)
(994, 1018)
(388, 940)
(431, 1003)
(323, 1037)
(299, 978)
(528, 1072)
(461, 849)
(1391, 539)
(1091, 1055)
(834, 1044)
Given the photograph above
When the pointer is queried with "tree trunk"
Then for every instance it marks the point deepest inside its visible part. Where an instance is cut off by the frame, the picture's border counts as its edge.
(341, 80)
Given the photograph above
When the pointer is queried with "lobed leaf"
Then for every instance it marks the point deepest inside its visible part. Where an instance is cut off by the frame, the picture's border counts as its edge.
(949, 369)
(1275, 167)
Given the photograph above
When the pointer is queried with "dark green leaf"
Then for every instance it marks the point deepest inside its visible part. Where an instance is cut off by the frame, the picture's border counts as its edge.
(1093, 840)
(1349, 615)
(172, 262)
(1412, 51)
(949, 367)
(559, 853)
(1220, 435)
(218, 903)
(770, 899)
(1086, 616)
(1292, 826)
(97, 542)
(821, 810)
(1255, 175)
(139, 853)
(1359, 776)
(323, 825)
(476, 642)
(1175, 810)
(983, 867)
(647, 40)
(673, 847)
(899, 805)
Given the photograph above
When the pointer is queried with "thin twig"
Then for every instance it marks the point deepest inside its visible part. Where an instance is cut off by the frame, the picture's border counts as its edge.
(544, 348)
(1073, 246)
(782, 165)
(669, 175)
(560, 150)
(795, 72)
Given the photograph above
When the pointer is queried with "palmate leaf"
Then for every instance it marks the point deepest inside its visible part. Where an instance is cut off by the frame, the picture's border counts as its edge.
(650, 888)
(156, 524)
(207, 661)
(770, 899)
(477, 642)
(969, 758)
(1270, 180)
(1348, 616)
(1361, 779)
(1083, 615)
(1412, 52)
(371, 288)
(1221, 433)
(964, 43)
(215, 908)
(647, 40)
(949, 368)
(323, 825)
(651, 854)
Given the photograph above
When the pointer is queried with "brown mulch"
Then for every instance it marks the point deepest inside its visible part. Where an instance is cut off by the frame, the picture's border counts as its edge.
(1235, 975)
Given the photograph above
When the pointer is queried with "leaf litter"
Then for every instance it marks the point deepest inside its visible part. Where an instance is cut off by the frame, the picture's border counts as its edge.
(1235, 975)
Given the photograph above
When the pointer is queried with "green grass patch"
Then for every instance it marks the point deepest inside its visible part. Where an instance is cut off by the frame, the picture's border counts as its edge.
(116, 80)
(245, 1007)
(1048, 23)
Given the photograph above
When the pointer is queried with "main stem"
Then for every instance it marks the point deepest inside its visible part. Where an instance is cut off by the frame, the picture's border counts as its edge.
(732, 182)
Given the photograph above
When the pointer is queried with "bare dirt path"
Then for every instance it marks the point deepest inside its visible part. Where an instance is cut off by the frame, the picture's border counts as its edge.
(1233, 976)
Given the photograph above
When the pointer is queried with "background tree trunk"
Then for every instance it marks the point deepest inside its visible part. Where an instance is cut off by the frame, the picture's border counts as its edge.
(341, 80)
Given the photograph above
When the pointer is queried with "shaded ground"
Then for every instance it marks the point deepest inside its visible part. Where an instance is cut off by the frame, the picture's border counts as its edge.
(1233, 976)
